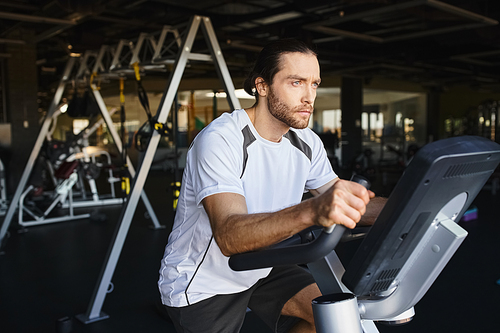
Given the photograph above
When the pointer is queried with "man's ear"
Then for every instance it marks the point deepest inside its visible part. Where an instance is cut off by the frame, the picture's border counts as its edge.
(261, 86)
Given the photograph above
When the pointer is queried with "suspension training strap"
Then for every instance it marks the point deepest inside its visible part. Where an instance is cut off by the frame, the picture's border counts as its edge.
(143, 96)
(124, 172)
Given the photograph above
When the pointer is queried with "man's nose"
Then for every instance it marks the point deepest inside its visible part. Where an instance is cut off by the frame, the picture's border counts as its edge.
(309, 95)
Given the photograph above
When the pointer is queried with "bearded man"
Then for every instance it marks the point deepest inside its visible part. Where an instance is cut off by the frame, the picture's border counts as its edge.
(242, 190)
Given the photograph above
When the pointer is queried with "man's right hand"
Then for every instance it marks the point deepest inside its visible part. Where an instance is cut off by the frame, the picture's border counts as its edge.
(343, 203)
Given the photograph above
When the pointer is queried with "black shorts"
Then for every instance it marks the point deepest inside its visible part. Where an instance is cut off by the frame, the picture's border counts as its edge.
(226, 313)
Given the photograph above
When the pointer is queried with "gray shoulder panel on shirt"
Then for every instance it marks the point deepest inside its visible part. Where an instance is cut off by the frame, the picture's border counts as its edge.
(299, 143)
(248, 139)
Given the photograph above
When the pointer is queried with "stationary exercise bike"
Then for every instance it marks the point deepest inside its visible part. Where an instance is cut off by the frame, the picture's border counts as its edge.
(403, 253)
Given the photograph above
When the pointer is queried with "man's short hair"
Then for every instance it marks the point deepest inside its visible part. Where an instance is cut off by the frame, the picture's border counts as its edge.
(269, 62)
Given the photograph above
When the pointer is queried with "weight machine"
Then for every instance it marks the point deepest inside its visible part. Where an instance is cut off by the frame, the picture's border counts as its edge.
(92, 159)
(68, 173)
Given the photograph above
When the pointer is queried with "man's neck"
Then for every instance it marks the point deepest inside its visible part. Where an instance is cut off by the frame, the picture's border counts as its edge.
(266, 124)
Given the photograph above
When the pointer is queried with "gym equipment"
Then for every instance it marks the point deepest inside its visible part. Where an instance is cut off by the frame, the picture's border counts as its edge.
(82, 70)
(405, 250)
(74, 162)
(68, 174)
(90, 167)
(183, 55)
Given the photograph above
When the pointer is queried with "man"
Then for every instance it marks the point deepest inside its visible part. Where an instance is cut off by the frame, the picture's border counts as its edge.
(241, 191)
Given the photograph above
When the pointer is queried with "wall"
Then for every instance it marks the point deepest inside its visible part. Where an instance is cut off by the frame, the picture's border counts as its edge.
(22, 107)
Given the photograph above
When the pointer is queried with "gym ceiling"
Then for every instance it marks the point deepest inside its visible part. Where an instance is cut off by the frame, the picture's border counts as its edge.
(435, 43)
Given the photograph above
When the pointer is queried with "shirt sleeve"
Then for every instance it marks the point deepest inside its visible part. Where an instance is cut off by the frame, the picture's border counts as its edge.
(321, 171)
(216, 165)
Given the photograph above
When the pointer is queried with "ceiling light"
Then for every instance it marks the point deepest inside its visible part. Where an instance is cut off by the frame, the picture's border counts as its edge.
(64, 108)
(239, 93)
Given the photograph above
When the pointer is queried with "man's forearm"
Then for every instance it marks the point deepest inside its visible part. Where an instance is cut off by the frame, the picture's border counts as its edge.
(248, 232)
(237, 231)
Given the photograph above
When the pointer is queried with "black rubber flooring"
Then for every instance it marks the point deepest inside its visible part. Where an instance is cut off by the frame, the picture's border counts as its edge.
(49, 273)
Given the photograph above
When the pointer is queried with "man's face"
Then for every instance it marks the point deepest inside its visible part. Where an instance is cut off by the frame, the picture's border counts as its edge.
(291, 96)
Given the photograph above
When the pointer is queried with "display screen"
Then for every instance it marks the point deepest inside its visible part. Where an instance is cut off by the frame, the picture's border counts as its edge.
(444, 177)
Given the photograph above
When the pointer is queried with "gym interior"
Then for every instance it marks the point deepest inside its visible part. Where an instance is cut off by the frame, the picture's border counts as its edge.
(100, 101)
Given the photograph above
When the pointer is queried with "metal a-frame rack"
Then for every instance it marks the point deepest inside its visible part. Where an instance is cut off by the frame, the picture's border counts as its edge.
(184, 54)
(83, 69)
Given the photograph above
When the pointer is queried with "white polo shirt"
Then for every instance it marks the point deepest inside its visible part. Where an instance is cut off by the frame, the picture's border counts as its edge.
(229, 156)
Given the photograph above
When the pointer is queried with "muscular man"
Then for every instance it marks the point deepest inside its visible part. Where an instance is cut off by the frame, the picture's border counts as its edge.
(241, 190)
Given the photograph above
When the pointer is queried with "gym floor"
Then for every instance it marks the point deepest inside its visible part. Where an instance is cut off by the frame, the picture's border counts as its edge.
(49, 272)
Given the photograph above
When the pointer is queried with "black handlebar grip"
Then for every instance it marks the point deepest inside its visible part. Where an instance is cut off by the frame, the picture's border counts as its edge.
(361, 180)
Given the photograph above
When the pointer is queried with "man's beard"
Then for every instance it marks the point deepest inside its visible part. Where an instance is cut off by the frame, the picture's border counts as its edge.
(281, 111)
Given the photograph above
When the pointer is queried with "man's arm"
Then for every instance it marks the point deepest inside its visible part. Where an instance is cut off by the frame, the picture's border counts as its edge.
(236, 231)
(373, 208)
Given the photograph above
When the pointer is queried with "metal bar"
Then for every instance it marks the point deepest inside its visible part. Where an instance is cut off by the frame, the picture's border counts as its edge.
(116, 63)
(35, 19)
(84, 63)
(137, 48)
(98, 65)
(55, 219)
(60, 197)
(200, 57)
(22, 209)
(70, 200)
(161, 41)
(327, 273)
(36, 149)
(344, 33)
(93, 203)
(461, 12)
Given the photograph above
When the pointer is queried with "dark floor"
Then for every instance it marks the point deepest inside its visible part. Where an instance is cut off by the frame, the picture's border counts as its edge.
(50, 272)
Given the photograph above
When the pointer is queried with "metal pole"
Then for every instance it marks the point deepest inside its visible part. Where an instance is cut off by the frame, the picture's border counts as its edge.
(94, 310)
(36, 149)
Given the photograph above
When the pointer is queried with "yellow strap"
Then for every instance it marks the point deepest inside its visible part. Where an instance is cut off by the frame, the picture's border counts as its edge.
(126, 185)
(122, 96)
(98, 86)
(137, 71)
